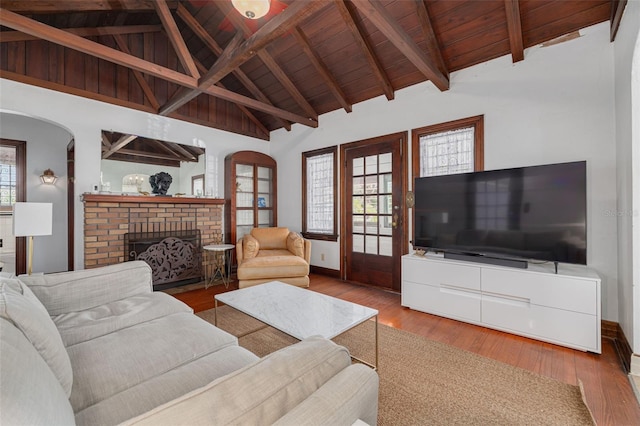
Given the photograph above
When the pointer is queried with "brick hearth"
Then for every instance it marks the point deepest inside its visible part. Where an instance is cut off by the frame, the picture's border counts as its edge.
(107, 218)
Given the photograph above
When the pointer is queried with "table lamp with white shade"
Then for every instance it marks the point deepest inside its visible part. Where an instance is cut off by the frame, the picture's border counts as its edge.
(31, 220)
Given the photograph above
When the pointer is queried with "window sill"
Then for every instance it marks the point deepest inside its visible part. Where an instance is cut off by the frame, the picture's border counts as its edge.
(321, 237)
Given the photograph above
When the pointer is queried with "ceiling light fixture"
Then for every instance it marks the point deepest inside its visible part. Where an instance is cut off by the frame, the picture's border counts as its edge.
(252, 9)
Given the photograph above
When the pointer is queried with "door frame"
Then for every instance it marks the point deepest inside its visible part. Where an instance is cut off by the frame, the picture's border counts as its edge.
(403, 138)
(21, 196)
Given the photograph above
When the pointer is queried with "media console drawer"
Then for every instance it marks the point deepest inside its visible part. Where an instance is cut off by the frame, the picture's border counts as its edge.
(558, 308)
(418, 270)
(555, 291)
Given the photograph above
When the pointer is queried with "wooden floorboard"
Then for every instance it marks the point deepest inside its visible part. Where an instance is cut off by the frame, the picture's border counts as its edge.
(607, 389)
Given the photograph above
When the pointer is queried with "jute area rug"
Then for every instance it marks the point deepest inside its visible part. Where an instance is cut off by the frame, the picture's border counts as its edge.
(423, 382)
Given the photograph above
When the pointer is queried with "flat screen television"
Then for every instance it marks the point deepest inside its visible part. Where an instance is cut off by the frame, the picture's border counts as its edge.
(525, 213)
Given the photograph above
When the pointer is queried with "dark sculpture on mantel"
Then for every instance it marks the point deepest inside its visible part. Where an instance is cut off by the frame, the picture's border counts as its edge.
(160, 183)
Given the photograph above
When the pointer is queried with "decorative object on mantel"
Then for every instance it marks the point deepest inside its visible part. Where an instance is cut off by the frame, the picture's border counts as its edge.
(32, 219)
(160, 183)
(48, 177)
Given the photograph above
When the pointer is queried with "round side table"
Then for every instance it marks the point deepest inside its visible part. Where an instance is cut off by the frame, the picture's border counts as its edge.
(220, 262)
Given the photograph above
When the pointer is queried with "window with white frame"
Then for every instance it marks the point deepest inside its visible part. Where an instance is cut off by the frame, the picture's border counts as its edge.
(319, 194)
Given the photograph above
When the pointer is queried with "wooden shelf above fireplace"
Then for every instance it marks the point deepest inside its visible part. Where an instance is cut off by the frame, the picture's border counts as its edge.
(118, 198)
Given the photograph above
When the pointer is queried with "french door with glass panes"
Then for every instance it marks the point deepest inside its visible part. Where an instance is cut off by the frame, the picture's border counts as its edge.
(373, 217)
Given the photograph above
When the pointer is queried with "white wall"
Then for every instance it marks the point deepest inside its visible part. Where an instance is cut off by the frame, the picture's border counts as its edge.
(86, 118)
(46, 149)
(627, 91)
(555, 106)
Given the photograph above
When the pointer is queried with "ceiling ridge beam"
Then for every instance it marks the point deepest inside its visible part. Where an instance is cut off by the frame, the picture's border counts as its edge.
(176, 39)
(237, 53)
(433, 46)
(379, 17)
(8, 36)
(72, 41)
(201, 33)
(144, 84)
(238, 21)
(514, 25)
(346, 10)
(322, 69)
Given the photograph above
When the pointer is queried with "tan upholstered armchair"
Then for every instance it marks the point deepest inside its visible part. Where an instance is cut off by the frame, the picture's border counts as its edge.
(273, 254)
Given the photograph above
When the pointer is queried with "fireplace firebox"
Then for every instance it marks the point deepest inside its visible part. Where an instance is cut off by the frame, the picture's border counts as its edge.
(175, 256)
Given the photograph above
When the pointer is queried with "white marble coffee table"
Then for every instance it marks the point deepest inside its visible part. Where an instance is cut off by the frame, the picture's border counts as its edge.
(299, 312)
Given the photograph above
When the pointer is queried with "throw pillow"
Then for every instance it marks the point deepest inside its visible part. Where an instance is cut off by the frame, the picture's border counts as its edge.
(251, 246)
(19, 305)
(295, 244)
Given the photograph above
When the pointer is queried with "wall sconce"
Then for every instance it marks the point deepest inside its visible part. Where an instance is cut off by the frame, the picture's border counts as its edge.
(48, 177)
(252, 9)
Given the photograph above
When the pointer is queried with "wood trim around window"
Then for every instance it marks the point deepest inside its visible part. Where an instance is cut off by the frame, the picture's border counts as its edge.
(308, 154)
(477, 122)
(21, 196)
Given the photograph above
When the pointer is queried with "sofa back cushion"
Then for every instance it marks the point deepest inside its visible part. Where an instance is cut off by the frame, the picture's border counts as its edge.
(30, 393)
(295, 244)
(20, 306)
(271, 238)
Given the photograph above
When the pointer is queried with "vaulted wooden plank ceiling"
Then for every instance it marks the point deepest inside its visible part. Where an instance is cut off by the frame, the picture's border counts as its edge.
(203, 62)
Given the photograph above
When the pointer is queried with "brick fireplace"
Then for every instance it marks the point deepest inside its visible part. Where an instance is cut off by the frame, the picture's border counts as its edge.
(110, 221)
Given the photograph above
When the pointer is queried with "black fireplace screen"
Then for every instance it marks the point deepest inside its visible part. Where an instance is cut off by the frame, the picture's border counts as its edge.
(175, 257)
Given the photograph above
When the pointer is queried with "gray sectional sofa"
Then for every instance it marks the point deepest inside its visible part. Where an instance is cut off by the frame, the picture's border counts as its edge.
(99, 347)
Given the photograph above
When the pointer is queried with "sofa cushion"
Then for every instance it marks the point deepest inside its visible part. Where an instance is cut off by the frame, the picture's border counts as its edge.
(31, 393)
(271, 238)
(110, 364)
(76, 327)
(267, 267)
(85, 289)
(251, 246)
(161, 389)
(295, 244)
(20, 306)
(258, 394)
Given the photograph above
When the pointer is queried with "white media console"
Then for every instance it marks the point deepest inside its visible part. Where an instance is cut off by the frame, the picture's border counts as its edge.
(562, 308)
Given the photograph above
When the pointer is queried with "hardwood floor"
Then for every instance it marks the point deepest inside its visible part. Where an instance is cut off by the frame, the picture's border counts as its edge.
(607, 388)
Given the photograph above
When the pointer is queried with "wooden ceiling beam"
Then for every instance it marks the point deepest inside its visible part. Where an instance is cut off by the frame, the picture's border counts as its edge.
(237, 53)
(348, 15)
(238, 22)
(379, 17)
(7, 36)
(178, 152)
(142, 82)
(155, 155)
(106, 143)
(433, 46)
(201, 33)
(514, 25)
(322, 69)
(237, 98)
(184, 95)
(118, 145)
(244, 109)
(180, 47)
(59, 6)
(72, 41)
